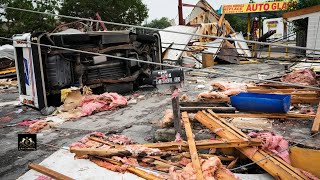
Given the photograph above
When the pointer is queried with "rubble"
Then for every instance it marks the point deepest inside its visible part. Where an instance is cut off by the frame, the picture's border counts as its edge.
(301, 76)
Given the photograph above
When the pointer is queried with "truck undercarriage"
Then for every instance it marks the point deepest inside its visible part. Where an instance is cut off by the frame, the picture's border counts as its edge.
(47, 70)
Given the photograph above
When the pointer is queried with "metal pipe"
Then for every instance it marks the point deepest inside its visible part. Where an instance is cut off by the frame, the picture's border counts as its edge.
(103, 65)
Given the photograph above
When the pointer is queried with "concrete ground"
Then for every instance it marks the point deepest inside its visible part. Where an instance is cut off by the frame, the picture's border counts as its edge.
(138, 121)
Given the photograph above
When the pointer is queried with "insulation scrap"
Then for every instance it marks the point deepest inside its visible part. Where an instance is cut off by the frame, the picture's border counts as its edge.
(27, 122)
(227, 86)
(136, 150)
(120, 139)
(127, 161)
(301, 76)
(212, 95)
(307, 110)
(103, 102)
(210, 169)
(77, 105)
(86, 143)
(167, 119)
(184, 161)
(109, 166)
(38, 126)
(273, 143)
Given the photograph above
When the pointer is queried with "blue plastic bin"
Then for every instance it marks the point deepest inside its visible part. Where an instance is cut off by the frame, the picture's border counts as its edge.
(273, 103)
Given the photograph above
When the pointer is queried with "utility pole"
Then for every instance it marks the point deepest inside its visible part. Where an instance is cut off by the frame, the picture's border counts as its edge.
(180, 13)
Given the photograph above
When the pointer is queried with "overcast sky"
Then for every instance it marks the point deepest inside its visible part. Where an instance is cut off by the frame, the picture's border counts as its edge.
(169, 8)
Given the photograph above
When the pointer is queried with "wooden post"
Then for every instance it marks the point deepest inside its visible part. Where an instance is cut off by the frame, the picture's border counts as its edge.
(176, 111)
(180, 12)
(269, 50)
(48, 172)
(316, 122)
(249, 27)
(192, 146)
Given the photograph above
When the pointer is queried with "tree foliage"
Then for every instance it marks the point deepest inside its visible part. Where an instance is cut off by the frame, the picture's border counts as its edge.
(124, 11)
(159, 23)
(301, 24)
(15, 22)
(238, 23)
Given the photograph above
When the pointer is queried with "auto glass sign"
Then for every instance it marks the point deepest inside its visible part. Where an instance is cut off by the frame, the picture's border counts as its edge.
(255, 7)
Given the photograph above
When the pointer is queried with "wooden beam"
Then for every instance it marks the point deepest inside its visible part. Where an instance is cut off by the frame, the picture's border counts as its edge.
(100, 152)
(278, 169)
(139, 172)
(270, 116)
(205, 144)
(192, 146)
(46, 171)
(294, 100)
(316, 122)
(214, 109)
(284, 91)
(176, 111)
(300, 12)
(100, 141)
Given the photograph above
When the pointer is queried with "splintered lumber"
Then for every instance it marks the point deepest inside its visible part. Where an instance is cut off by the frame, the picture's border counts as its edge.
(214, 109)
(49, 172)
(201, 103)
(316, 122)
(205, 144)
(100, 152)
(192, 146)
(273, 165)
(268, 115)
(207, 156)
(294, 100)
(286, 91)
(133, 170)
(100, 141)
(233, 164)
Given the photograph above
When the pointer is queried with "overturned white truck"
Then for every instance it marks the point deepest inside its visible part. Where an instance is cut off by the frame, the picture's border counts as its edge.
(43, 69)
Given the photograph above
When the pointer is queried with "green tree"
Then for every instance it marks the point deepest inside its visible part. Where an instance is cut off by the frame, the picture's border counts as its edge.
(16, 22)
(301, 24)
(238, 23)
(159, 23)
(124, 11)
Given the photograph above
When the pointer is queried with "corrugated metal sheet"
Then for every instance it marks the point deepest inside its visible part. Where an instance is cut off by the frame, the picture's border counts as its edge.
(313, 35)
(167, 38)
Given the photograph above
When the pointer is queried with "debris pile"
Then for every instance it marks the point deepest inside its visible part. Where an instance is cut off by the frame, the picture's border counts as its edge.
(77, 105)
(301, 76)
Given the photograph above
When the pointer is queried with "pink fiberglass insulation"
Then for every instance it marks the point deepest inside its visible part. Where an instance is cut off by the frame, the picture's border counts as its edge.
(103, 102)
(273, 143)
(301, 76)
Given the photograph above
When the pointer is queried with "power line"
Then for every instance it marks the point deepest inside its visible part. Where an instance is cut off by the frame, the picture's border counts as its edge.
(155, 29)
(167, 65)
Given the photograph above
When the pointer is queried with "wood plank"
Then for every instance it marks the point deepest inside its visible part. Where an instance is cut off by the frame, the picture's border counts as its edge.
(139, 172)
(270, 116)
(100, 152)
(100, 141)
(300, 158)
(214, 109)
(300, 12)
(204, 144)
(289, 92)
(201, 103)
(278, 169)
(316, 122)
(294, 100)
(192, 146)
(176, 111)
(49, 172)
